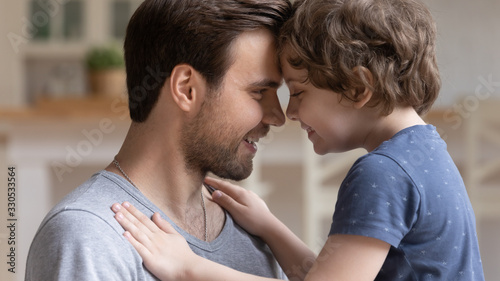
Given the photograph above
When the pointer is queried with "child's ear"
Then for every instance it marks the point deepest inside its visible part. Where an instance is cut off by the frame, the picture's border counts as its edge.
(187, 88)
(363, 93)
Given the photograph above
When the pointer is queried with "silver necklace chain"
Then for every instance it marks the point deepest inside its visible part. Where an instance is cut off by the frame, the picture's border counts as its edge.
(117, 164)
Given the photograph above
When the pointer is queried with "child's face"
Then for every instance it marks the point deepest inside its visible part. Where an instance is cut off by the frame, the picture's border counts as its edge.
(330, 121)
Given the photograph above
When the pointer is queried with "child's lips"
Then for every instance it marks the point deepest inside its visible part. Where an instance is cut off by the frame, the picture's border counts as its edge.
(309, 130)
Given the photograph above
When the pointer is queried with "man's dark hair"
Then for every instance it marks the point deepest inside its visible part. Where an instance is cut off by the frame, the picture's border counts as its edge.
(164, 33)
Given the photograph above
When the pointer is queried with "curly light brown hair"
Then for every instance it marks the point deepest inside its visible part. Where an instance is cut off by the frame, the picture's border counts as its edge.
(394, 39)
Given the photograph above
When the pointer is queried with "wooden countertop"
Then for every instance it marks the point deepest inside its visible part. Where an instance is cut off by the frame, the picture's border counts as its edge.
(70, 108)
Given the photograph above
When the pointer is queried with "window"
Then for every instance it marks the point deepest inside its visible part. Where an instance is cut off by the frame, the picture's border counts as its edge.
(73, 20)
(51, 21)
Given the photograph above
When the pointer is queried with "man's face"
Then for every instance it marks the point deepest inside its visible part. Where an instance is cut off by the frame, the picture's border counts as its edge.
(222, 138)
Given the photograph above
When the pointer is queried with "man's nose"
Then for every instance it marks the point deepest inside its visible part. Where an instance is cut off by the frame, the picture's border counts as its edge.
(273, 114)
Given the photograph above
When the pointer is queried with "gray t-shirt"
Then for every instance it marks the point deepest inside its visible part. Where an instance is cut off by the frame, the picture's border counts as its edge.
(79, 239)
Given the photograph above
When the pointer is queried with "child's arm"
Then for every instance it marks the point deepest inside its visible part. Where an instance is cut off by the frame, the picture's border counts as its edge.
(343, 257)
(252, 213)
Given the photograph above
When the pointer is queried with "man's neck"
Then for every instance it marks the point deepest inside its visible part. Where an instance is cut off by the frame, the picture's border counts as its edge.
(156, 167)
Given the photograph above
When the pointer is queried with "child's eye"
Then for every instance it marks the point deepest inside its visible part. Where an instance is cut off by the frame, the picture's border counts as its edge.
(296, 94)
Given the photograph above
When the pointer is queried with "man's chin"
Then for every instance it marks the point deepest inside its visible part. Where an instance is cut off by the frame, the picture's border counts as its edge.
(235, 173)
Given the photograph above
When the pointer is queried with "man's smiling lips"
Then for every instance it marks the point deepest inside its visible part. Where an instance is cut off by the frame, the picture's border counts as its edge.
(251, 139)
(251, 143)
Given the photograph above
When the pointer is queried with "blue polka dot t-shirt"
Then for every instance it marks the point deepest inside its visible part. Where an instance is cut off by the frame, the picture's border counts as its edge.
(409, 193)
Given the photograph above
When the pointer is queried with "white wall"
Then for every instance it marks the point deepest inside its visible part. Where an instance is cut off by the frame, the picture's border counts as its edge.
(468, 46)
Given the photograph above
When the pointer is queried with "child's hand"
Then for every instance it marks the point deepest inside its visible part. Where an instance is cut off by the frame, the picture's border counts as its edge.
(164, 251)
(246, 207)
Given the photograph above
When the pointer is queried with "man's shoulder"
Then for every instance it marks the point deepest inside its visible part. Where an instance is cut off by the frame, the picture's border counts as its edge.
(79, 241)
(90, 202)
(93, 196)
(80, 235)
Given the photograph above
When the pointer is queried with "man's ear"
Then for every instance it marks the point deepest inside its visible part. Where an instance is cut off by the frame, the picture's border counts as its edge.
(187, 88)
(363, 93)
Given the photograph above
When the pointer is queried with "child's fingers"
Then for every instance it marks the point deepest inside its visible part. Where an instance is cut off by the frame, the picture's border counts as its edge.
(155, 224)
(137, 237)
(138, 218)
(225, 201)
(163, 224)
(135, 221)
(143, 251)
(138, 231)
(228, 188)
(141, 229)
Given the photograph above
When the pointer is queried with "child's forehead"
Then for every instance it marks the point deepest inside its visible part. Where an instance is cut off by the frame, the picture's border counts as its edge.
(293, 74)
(288, 55)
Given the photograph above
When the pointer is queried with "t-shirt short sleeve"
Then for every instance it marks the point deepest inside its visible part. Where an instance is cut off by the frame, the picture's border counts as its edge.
(77, 245)
(377, 199)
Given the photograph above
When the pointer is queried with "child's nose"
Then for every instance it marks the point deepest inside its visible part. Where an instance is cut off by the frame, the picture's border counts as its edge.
(291, 110)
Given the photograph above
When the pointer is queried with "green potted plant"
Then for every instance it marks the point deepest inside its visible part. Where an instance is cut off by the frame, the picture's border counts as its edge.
(106, 70)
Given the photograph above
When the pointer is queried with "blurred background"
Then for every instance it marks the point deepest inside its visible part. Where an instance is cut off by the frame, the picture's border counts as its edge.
(63, 116)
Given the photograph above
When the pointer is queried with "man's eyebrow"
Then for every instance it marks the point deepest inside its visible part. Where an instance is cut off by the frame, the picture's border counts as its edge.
(266, 83)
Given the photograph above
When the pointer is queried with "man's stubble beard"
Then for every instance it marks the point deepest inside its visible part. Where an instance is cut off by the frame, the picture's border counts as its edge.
(209, 144)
